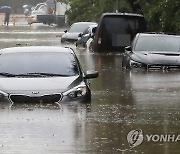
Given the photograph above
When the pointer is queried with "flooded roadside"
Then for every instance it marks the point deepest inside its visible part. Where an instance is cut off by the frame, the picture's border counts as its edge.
(121, 101)
(29, 35)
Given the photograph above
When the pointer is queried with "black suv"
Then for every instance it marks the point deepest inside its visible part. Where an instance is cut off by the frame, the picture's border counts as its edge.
(116, 31)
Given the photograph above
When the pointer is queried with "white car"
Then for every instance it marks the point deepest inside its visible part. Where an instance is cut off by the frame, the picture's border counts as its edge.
(40, 9)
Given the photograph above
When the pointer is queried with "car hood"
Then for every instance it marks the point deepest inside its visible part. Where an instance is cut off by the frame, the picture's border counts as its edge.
(161, 58)
(68, 35)
(37, 85)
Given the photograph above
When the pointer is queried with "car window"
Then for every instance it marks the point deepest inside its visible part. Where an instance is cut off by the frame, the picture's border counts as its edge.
(78, 28)
(38, 6)
(44, 8)
(121, 24)
(118, 31)
(86, 31)
(54, 63)
(158, 43)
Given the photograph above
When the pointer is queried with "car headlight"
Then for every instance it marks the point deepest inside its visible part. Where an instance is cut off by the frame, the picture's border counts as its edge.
(78, 91)
(3, 94)
(134, 64)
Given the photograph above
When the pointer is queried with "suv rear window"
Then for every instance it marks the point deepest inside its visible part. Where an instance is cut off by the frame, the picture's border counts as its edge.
(123, 25)
(120, 30)
(116, 31)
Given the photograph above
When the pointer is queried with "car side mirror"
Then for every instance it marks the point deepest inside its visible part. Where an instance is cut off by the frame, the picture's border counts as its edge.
(92, 35)
(80, 35)
(65, 31)
(128, 48)
(91, 74)
(94, 30)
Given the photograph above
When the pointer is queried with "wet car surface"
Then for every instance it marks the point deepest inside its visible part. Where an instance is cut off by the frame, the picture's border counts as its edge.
(71, 35)
(44, 74)
(161, 52)
(121, 101)
(83, 38)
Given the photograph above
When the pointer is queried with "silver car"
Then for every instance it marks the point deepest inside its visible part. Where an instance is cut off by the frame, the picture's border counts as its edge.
(71, 35)
(42, 74)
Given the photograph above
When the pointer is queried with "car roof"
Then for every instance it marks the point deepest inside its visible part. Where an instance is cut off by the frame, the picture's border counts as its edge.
(157, 34)
(122, 14)
(85, 23)
(35, 49)
(92, 26)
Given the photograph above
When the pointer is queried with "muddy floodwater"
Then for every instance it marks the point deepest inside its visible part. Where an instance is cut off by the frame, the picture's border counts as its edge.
(130, 111)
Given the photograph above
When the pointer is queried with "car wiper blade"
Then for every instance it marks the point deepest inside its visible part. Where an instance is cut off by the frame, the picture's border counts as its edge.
(49, 74)
(41, 74)
(167, 53)
(7, 74)
(13, 75)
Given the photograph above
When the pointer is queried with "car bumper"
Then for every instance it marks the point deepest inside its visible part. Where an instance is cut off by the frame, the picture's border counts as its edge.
(45, 100)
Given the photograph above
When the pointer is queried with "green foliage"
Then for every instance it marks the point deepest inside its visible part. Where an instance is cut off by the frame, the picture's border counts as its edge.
(161, 15)
(88, 10)
(91, 10)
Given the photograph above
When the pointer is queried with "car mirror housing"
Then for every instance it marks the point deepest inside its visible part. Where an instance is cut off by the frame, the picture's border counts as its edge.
(128, 48)
(80, 35)
(94, 30)
(91, 74)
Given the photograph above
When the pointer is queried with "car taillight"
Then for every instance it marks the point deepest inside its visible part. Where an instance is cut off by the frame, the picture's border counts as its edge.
(100, 35)
(99, 40)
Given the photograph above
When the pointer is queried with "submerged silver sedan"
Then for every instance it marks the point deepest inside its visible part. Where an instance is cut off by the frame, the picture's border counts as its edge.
(42, 74)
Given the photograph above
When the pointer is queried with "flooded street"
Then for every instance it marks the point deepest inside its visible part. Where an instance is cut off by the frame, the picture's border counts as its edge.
(122, 101)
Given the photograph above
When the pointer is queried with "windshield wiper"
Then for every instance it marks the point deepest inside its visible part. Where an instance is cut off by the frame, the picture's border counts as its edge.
(7, 74)
(41, 75)
(167, 53)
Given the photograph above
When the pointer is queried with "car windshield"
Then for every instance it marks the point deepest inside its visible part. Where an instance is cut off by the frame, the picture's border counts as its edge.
(158, 43)
(59, 64)
(79, 28)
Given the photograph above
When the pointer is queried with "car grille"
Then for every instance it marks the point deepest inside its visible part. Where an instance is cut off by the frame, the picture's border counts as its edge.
(163, 67)
(38, 99)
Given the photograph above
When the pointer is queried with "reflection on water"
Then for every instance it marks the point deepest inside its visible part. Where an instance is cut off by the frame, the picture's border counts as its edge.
(159, 88)
(42, 130)
(30, 35)
(121, 101)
